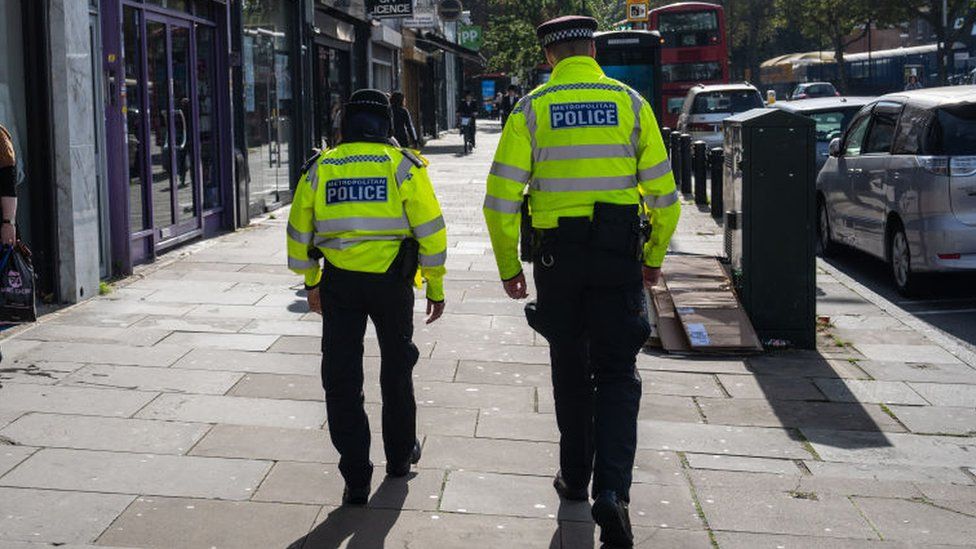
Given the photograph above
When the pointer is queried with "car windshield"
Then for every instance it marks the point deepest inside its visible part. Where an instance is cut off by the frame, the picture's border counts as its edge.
(726, 102)
(820, 89)
(831, 124)
(955, 130)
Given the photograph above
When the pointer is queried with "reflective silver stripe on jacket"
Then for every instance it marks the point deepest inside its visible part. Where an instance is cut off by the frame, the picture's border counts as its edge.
(403, 171)
(502, 205)
(508, 171)
(636, 102)
(361, 224)
(582, 152)
(557, 184)
(299, 265)
(429, 228)
(531, 124)
(663, 201)
(435, 260)
(299, 236)
(343, 243)
(660, 169)
(313, 177)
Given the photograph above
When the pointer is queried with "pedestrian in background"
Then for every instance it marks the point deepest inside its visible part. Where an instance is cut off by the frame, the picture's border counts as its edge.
(590, 150)
(403, 129)
(508, 102)
(8, 188)
(913, 83)
(369, 211)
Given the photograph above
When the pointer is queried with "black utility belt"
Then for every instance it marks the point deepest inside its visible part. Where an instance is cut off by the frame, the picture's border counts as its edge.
(615, 228)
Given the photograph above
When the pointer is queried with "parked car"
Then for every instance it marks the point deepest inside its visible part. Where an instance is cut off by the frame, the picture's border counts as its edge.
(705, 108)
(901, 184)
(811, 90)
(832, 115)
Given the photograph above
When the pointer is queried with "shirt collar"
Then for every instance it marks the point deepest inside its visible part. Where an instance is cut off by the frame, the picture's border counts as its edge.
(576, 67)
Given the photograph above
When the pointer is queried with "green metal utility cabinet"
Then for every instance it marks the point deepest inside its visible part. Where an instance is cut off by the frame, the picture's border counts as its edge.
(770, 228)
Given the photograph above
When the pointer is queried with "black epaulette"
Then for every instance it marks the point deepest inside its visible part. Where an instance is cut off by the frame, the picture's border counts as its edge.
(413, 158)
(311, 161)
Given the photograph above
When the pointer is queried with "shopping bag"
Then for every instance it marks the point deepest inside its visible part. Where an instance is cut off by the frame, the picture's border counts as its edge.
(16, 285)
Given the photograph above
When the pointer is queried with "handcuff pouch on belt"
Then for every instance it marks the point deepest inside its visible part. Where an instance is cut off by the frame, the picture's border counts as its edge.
(407, 260)
(617, 229)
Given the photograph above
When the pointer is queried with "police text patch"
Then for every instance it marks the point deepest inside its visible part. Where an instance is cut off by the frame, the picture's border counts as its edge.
(581, 115)
(361, 189)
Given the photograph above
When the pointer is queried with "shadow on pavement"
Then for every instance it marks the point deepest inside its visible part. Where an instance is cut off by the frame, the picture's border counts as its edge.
(360, 527)
(806, 392)
(571, 533)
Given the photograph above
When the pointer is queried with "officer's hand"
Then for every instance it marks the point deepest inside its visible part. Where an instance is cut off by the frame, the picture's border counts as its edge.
(516, 288)
(652, 276)
(315, 300)
(434, 310)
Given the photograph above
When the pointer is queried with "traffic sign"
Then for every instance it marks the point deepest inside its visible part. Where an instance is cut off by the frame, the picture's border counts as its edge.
(450, 10)
(637, 11)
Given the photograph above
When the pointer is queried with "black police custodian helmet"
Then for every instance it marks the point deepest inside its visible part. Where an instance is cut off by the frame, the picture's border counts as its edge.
(569, 28)
(367, 117)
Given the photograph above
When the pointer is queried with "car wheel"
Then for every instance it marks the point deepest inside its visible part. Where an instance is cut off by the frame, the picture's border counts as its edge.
(825, 244)
(900, 258)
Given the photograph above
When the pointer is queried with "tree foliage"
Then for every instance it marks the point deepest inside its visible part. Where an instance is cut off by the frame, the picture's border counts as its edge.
(931, 12)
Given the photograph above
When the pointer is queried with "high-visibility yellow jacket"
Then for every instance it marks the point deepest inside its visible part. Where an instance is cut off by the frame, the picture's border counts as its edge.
(356, 203)
(578, 139)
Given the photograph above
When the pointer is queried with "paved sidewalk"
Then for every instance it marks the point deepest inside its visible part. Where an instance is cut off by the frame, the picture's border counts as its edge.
(184, 410)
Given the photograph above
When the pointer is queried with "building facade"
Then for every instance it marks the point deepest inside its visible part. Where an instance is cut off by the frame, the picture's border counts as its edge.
(144, 124)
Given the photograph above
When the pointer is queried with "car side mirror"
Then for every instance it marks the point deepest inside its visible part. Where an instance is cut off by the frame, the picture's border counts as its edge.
(834, 148)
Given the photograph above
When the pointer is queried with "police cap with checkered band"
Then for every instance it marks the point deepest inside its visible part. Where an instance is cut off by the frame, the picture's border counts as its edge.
(569, 28)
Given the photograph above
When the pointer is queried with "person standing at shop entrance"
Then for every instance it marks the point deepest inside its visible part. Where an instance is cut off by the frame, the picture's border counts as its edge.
(368, 210)
(403, 129)
(8, 188)
(590, 150)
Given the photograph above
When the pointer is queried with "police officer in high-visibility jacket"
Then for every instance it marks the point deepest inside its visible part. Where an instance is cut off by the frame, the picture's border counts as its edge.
(591, 153)
(368, 210)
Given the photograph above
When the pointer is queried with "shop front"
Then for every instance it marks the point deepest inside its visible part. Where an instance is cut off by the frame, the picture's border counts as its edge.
(167, 124)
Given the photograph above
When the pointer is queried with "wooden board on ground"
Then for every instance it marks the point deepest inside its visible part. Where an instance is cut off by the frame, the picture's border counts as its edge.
(669, 329)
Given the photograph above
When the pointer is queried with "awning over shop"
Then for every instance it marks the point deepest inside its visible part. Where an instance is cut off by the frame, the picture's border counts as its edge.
(429, 41)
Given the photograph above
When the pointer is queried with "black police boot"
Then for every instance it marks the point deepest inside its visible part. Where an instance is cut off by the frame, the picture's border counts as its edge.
(566, 491)
(398, 470)
(358, 495)
(613, 516)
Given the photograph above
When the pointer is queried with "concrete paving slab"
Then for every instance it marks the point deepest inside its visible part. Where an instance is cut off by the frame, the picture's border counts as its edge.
(72, 400)
(236, 410)
(937, 420)
(510, 495)
(314, 483)
(681, 384)
(907, 353)
(309, 345)
(919, 371)
(891, 448)
(650, 361)
(159, 355)
(38, 372)
(292, 387)
(512, 353)
(701, 438)
(26, 515)
(491, 455)
(469, 395)
(246, 312)
(783, 513)
(658, 467)
(859, 390)
(746, 540)
(104, 433)
(11, 456)
(283, 327)
(882, 337)
(135, 336)
(783, 413)
(270, 443)
(888, 473)
(205, 325)
(770, 387)
(518, 426)
(432, 420)
(165, 523)
(867, 322)
(8, 416)
(244, 361)
(166, 380)
(740, 463)
(500, 373)
(44, 545)
(941, 394)
(576, 535)
(798, 482)
(76, 317)
(107, 307)
(918, 522)
(150, 474)
(235, 342)
(204, 297)
(796, 365)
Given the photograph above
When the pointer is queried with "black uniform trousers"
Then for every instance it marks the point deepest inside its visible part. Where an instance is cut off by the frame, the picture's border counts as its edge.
(590, 309)
(348, 298)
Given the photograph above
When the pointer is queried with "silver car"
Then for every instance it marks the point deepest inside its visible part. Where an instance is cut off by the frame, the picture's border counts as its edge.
(901, 184)
(705, 108)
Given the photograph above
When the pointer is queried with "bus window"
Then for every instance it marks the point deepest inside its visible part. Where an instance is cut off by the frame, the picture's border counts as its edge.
(683, 29)
(691, 72)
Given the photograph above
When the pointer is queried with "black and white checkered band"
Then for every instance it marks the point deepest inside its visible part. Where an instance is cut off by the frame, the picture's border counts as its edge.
(566, 35)
(360, 102)
(566, 87)
(354, 159)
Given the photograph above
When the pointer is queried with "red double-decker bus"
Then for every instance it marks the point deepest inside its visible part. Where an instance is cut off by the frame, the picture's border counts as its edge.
(694, 50)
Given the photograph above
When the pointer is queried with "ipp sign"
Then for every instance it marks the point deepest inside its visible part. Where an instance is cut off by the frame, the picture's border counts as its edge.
(470, 37)
(389, 9)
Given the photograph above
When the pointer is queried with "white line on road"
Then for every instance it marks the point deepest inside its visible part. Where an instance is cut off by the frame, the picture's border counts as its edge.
(943, 312)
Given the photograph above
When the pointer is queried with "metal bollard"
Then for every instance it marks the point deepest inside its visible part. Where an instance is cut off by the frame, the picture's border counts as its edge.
(701, 172)
(685, 164)
(675, 151)
(666, 137)
(716, 159)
